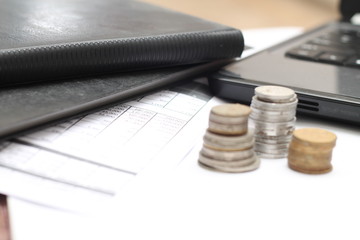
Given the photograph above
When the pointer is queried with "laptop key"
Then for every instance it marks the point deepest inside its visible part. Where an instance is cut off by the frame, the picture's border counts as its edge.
(353, 62)
(323, 42)
(334, 58)
(335, 49)
(303, 53)
(340, 39)
(338, 47)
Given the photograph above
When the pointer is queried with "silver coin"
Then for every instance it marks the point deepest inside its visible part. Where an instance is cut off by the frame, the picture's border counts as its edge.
(260, 146)
(274, 132)
(228, 129)
(273, 139)
(267, 116)
(294, 98)
(259, 127)
(227, 155)
(228, 120)
(229, 143)
(274, 93)
(231, 110)
(284, 124)
(270, 113)
(255, 165)
(271, 156)
(272, 151)
(219, 163)
(269, 106)
(272, 118)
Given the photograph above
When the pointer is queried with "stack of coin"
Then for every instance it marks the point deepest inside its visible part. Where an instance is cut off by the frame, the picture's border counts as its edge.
(273, 110)
(310, 150)
(228, 145)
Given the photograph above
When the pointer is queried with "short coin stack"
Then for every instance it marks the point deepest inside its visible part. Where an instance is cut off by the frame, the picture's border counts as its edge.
(310, 150)
(228, 145)
(273, 110)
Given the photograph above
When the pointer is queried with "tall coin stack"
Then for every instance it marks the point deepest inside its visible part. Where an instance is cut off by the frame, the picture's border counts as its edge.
(310, 150)
(273, 110)
(228, 145)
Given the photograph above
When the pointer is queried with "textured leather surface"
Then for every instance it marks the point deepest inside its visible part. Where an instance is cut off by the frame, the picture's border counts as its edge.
(25, 108)
(52, 39)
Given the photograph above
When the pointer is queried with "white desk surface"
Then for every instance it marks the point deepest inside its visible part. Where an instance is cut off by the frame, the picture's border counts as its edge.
(191, 202)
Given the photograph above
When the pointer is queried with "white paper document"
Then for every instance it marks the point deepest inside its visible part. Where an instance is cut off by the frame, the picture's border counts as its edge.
(83, 161)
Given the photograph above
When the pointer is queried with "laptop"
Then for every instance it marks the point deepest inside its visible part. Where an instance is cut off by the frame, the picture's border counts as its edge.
(321, 65)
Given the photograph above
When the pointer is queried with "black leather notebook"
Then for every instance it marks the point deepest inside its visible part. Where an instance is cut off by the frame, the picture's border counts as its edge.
(29, 107)
(42, 40)
(65, 47)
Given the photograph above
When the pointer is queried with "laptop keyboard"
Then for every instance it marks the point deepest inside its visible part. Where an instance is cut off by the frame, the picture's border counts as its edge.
(338, 47)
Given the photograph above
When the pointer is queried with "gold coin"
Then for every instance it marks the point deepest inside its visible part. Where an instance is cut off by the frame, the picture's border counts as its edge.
(310, 150)
(300, 168)
(314, 137)
(317, 156)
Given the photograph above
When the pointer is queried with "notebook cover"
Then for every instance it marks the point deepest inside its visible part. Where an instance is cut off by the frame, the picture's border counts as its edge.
(52, 39)
(29, 107)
